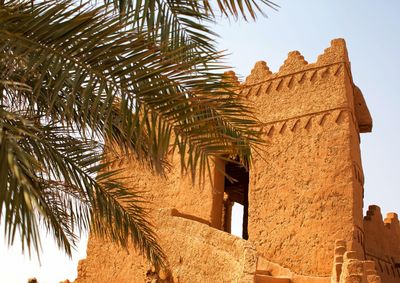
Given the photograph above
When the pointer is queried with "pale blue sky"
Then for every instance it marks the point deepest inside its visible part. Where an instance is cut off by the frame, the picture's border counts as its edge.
(372, 32)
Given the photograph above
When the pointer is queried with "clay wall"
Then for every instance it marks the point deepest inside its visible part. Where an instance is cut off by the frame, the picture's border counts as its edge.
(306, 185)
(195, 251)
(172, 190)
(382, 243)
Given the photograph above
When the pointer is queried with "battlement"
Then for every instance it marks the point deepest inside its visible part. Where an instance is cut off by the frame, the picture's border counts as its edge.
(295, 63)
(391, 221)
(263, 81)
(374, 214)
(382, 242)
(297, 81)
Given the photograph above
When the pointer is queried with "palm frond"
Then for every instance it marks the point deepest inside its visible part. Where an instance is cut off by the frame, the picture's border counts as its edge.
(49, 176)
(73, 77)
(72, 83)
(186, 22)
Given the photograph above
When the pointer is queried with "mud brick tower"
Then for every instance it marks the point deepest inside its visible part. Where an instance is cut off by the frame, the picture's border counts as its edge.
(303, 196)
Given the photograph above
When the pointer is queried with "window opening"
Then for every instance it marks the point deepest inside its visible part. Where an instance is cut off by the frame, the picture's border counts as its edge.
(236, 191)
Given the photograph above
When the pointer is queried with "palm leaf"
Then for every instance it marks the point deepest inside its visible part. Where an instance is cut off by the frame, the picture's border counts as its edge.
(186, 22)
(50, 177)
(73, 79)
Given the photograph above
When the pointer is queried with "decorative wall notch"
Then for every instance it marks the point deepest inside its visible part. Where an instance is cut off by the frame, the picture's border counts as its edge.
(294, 63)
(259, 73)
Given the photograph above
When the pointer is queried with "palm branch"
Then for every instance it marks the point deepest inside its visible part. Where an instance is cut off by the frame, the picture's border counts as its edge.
(187, 22)
(75, 78)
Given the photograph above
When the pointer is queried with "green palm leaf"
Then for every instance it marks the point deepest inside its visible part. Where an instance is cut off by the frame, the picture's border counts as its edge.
(75, 79)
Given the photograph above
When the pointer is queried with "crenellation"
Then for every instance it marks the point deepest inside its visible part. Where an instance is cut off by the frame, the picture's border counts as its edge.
(374, 213)
(392, 219)
(230, 76)
(282, 82)
(382, 242)
(259, 73)
(336, 53)
(294, 63)
(296, 66)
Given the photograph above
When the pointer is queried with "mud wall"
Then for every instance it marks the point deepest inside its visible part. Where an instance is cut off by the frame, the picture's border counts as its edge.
(306, 185)
(382, 243)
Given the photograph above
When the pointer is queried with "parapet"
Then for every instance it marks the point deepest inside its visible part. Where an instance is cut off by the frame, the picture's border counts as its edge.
(382, 242)
(298, 77)
(336, 53)
(295, 63)
(259, 73)
(374, 215)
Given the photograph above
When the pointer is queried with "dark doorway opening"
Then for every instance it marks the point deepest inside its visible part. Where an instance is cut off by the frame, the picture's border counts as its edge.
(236, 190)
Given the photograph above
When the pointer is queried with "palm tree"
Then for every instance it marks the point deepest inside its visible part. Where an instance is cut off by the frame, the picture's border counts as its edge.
(75, 78)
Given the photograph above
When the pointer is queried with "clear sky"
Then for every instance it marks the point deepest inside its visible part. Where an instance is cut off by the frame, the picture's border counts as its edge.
(372, 32)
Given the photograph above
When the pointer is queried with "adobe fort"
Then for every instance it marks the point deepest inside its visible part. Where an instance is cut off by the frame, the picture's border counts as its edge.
(303, 195)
